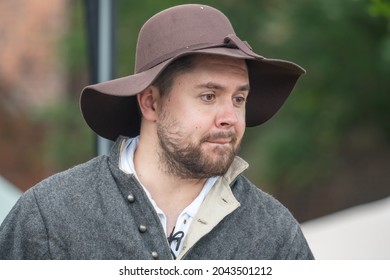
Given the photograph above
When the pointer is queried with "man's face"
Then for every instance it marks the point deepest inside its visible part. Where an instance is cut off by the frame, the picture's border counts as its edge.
(201, 122)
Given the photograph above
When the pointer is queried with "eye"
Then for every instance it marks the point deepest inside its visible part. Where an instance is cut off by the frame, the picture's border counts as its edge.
(208, 97)
(239, 100)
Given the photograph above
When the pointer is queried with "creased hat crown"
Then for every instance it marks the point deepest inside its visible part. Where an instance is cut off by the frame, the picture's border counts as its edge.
(179, 29)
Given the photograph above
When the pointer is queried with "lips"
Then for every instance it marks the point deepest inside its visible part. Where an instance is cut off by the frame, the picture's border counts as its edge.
(221, 138)
(220, 141)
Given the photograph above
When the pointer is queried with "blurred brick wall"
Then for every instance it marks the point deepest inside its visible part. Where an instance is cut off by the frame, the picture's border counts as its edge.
(31, 76)
(30, 31)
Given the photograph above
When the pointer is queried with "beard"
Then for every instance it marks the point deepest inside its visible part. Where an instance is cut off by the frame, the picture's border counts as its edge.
(188, 160)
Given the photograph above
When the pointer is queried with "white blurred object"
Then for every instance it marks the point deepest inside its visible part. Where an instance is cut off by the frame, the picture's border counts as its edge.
(358, 233)
(9, 194)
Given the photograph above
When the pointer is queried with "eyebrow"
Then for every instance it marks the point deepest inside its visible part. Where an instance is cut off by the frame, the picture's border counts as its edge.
(211, 85)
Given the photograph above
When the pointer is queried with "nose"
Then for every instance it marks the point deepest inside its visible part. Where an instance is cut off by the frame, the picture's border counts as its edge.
(227, 116)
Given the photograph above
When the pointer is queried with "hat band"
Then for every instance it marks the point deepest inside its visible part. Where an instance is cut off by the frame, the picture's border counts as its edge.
(234, 41)
(230, 41)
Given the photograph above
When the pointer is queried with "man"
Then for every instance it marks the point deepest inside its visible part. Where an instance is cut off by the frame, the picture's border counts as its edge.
(172, 186)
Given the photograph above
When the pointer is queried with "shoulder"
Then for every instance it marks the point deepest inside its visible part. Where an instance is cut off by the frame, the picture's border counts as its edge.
(71, 183)
(262, 213)
(80, 186)
(262, 207)
(68, 195)
(75, 175)
(246, 192)
(94, 172)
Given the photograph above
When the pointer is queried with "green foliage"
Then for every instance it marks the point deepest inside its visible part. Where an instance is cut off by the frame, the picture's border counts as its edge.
(74, 44)
(68, 139)
(380, 8)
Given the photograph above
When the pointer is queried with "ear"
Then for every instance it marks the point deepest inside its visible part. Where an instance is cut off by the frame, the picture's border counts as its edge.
(147, 101)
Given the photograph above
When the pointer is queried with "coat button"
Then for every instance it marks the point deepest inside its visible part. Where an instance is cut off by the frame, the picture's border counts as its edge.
(142, 228)
(131, 198)
(155, 255)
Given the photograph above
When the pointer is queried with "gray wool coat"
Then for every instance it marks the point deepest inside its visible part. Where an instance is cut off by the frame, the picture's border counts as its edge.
(96, 211)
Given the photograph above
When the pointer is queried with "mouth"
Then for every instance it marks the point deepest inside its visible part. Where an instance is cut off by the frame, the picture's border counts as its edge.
(221, 138)
(220, 141)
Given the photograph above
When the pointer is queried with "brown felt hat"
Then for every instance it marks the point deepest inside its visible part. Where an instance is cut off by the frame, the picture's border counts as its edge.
(110, 108)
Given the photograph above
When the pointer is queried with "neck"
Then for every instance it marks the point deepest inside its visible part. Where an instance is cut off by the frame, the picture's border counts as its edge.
(172, 194)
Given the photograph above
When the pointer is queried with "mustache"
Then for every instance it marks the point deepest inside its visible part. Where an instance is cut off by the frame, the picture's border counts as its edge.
(220, 135)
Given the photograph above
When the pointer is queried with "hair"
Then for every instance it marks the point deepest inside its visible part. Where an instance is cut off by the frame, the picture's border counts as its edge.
(165, 79)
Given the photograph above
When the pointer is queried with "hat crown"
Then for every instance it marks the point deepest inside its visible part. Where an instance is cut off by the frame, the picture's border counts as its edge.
(179, 29)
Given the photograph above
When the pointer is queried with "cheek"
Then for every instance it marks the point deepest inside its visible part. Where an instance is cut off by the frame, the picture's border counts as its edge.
(195, 118)
(189, 123)
(196, 125)
(241, 125)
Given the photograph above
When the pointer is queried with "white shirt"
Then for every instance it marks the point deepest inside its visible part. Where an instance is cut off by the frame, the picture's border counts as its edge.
(126, 164)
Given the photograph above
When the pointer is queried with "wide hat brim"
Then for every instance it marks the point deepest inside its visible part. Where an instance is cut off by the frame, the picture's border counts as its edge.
(110, 108)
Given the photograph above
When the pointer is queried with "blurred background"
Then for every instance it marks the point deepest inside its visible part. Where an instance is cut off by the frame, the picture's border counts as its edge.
(325, 155)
